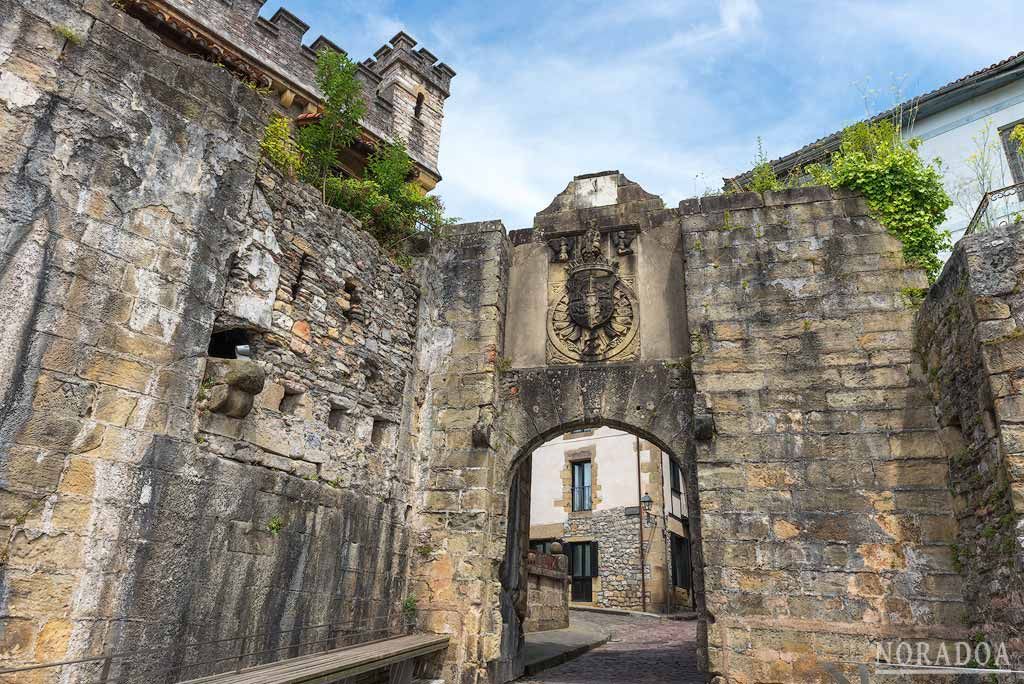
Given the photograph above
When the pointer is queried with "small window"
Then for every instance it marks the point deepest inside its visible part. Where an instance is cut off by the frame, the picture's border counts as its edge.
(677, 477)
(352, 302)
(338, 418)
(581, 486)
(230, 344)
(291, 401)
(384, 433)
(1014, 153)
(419, 106)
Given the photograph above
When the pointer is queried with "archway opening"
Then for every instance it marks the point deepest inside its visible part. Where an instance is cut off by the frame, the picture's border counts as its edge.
(598, 539)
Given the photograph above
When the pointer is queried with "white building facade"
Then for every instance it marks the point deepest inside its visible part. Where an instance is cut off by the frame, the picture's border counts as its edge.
(967, 125)
(587, 493)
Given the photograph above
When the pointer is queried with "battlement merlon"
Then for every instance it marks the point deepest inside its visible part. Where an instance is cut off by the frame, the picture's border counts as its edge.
(270, 53)
(425, 63)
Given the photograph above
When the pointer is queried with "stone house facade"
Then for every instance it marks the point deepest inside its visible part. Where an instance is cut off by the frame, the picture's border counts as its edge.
(586, 491)
(227, 416)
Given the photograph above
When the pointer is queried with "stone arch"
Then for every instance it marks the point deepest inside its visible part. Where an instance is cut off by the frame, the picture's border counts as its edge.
(653, 401)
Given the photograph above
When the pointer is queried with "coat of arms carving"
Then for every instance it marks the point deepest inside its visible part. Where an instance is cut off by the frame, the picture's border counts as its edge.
(594, 315)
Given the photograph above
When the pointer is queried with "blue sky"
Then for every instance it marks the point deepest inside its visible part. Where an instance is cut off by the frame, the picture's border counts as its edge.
(672, 93)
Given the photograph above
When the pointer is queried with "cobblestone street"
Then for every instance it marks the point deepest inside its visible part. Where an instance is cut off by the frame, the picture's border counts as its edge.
(641, 650)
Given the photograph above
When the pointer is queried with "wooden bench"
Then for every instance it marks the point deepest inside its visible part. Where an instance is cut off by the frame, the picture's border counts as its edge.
(329, 666)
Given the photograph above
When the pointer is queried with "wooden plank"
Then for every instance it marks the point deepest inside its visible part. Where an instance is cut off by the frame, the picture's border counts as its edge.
(341, 656)
(330, 665)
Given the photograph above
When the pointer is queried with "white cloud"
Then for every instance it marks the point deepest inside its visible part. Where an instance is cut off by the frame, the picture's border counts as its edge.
(671, 92)
(738, 14)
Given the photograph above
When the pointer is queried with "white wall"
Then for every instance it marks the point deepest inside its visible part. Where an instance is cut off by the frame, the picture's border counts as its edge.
(950, 135)
(615, 472)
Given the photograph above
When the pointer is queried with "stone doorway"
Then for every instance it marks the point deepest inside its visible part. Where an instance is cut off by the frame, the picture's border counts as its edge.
(578, 501)
(525, 335)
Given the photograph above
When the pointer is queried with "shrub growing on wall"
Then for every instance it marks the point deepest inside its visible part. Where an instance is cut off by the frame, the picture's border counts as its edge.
(338, 125)
(279, 147)
(389, 206)
(904, 193)
(763, 177)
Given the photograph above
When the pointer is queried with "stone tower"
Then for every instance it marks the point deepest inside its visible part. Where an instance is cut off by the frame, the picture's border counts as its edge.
(416, 86)
(404, 89)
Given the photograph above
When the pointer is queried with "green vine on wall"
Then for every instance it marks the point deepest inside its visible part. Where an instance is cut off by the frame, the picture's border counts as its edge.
(279, 147)
(389, 206)
(904, 193)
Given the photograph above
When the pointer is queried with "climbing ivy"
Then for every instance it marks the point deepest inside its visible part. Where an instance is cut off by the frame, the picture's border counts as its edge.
(279, 147)
(904, 193)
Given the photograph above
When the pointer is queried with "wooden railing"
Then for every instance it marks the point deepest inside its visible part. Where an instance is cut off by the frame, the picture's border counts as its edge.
(124, 667)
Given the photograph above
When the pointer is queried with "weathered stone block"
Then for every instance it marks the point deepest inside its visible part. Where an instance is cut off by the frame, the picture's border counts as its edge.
(120, 372)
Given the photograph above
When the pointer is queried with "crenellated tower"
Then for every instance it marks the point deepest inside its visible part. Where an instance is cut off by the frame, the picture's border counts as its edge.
(416, 86)
(404, 88)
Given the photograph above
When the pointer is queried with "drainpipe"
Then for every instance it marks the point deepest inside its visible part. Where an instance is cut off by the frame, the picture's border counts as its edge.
(666, 504)
(639, 494)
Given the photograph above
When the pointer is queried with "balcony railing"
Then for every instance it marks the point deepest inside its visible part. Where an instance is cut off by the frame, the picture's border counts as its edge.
(998, 208)
(581, 498)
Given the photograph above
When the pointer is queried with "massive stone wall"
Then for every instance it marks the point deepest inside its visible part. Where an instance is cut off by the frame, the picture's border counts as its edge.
(153, 496)
(149, 498)
(827, 517)
(971, 343)
(462, 490)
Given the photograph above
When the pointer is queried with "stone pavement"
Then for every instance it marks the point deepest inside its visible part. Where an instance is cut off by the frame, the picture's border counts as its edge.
(640, 650)
(550, 648)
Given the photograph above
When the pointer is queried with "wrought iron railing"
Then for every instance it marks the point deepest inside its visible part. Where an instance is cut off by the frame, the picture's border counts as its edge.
(581, 498)
(127, 666)
(998, 208)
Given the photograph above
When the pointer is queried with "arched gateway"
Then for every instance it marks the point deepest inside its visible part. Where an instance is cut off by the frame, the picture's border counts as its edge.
(228, 419)
(762, 341)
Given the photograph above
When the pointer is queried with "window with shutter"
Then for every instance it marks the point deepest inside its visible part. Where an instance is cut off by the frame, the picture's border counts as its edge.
(1014, 153)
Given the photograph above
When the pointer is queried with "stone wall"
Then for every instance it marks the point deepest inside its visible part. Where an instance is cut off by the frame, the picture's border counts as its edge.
(969, 335)
(480, 414)
(827, 516)
(618, 564)
(547, 592)
(153, 497)
(463, 492)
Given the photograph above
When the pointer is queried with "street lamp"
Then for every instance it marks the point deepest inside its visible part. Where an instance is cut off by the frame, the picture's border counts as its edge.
(647, 502)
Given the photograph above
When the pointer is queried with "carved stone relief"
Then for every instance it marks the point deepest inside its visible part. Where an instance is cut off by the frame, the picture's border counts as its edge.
(593, 312)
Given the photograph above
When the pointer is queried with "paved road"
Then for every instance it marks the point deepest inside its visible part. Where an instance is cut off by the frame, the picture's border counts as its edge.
(642, 650)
